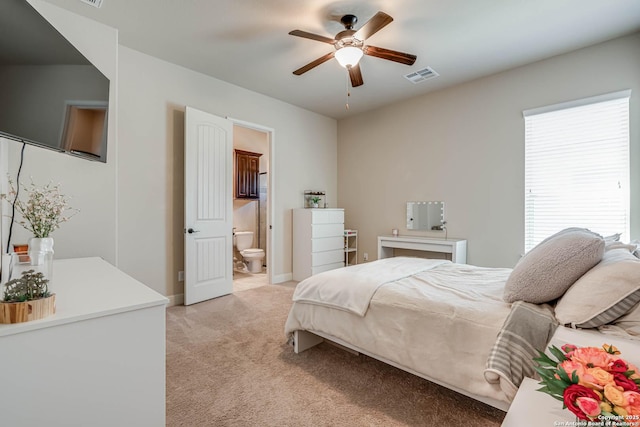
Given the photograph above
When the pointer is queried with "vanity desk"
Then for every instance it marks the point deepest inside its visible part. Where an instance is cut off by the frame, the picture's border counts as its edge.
(456, 247)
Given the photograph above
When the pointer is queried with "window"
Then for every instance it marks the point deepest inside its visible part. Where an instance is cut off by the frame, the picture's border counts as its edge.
(577, 167)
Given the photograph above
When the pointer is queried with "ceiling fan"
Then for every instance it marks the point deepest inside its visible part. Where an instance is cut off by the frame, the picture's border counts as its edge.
(350, 47)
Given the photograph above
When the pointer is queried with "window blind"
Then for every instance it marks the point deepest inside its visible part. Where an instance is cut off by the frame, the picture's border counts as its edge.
(577, 167)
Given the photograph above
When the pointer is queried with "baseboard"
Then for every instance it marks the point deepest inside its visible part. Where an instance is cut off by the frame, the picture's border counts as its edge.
(177, 299)
(279, 278)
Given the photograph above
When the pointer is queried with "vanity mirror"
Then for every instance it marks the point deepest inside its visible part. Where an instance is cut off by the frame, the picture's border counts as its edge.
(425, 215)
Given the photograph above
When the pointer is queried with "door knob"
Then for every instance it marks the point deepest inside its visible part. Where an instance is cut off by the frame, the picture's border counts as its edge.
(191, 230)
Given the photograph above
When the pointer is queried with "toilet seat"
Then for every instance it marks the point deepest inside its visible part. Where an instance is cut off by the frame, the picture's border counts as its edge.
(253, 252)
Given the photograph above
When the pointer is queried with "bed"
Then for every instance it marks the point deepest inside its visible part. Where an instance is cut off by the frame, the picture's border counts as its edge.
(440, 320)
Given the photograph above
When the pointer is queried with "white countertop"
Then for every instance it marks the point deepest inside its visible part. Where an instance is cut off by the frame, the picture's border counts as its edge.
(87, 288)
(408, 238)
(536, 409)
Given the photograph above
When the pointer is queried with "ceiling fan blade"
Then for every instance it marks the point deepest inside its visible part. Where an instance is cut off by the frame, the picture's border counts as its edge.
(391, 55)
(312, 36)
(373, 25)
(314, 64)
(356, 75)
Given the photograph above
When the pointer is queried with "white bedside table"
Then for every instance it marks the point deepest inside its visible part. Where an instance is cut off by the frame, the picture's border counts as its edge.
(531, 408)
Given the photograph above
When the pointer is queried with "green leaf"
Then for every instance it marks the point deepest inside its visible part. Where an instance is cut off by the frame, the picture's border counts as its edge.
(563, 375)
(557, 388)
(545, 360)
(545, 372)
(559, 354)
(574, 377)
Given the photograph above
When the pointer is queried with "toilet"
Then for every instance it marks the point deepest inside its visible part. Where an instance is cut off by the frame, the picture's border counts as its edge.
(252, 256)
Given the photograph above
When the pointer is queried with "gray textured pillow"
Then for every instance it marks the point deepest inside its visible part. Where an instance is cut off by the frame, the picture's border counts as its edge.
(605, 293)
(630, 322)
(550, 268)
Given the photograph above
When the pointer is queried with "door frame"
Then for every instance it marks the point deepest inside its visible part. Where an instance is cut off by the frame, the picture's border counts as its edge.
(271, 194)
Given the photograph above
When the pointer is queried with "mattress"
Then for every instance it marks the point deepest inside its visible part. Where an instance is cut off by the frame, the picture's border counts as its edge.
(441, 323)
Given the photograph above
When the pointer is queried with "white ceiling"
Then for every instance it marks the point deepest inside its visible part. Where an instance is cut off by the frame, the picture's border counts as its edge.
(246, 42)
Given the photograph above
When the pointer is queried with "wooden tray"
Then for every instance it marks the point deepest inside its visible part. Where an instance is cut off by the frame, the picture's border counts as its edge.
(18, 312)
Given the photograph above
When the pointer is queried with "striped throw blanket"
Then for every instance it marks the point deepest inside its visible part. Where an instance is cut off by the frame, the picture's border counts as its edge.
(527, 329)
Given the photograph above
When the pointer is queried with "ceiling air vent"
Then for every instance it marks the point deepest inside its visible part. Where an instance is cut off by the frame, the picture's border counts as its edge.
(421, 75)
(96, 3)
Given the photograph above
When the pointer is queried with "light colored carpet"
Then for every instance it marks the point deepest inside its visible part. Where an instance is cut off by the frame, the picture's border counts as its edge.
(228, 364)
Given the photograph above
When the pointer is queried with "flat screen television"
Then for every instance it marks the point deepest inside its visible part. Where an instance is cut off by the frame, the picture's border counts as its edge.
(51, 96)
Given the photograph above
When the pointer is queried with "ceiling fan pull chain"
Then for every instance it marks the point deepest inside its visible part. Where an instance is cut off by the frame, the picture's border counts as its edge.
(348, 92)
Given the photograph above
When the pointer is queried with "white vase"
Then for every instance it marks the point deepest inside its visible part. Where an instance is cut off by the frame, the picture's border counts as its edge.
(41, 257)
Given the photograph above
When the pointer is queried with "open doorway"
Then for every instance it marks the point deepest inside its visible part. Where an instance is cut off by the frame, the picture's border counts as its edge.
(252, 201)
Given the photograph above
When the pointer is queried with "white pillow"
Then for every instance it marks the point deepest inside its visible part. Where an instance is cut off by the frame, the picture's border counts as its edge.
(605, 293)
(547, 270)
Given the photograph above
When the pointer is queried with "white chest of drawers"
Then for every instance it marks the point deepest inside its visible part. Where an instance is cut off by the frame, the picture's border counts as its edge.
(318, 241)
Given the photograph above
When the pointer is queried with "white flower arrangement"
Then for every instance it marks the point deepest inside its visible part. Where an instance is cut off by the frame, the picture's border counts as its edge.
(44, 210)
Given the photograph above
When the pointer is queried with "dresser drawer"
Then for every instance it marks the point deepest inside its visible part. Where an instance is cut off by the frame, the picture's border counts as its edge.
(327, 216)
(327, 230)
(326, 267)
(328, 257)
(327, 244)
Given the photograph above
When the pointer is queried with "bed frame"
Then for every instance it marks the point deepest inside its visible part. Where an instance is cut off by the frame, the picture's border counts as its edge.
(304, 340)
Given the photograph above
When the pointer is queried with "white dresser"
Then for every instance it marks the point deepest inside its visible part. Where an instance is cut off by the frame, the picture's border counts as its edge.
(318, 241)
(98, 361)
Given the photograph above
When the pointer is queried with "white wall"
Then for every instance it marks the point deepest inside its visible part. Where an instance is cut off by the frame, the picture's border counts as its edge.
(153, 96)
(465, 146)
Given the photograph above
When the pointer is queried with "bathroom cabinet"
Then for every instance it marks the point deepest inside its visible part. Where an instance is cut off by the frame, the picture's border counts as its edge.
(247, 168)
(318, 241)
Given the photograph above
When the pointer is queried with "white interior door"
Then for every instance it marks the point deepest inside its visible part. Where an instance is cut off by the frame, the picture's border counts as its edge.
(208, 204)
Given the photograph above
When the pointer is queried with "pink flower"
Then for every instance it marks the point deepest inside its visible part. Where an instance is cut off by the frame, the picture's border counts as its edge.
(589, 405)
(568, 348)
(573, 393)
(633, 402)
(592, 357)
(571, 365)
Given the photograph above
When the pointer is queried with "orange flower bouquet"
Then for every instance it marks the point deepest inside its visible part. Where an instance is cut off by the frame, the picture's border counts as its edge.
(596, 384)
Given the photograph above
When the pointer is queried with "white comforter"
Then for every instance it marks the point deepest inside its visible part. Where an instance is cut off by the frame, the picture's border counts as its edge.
(440, 322)
(351, 289)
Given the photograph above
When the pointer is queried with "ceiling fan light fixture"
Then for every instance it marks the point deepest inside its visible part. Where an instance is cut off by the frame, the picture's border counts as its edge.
(348, 56)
